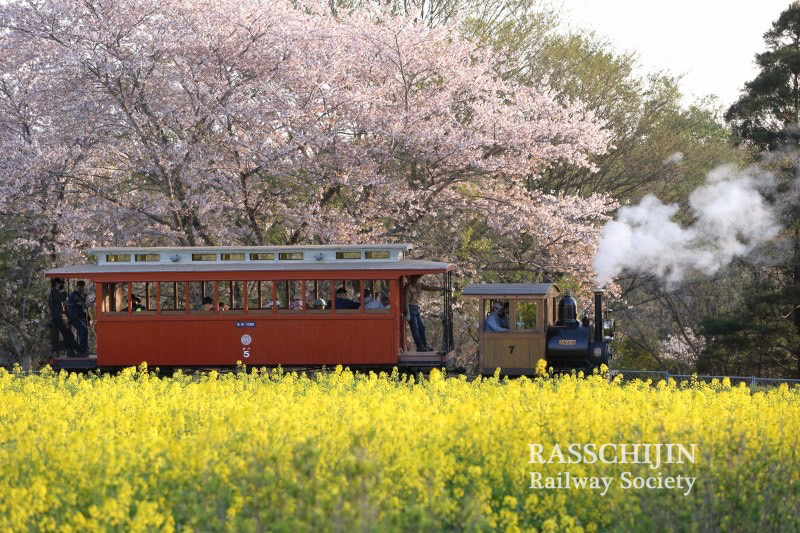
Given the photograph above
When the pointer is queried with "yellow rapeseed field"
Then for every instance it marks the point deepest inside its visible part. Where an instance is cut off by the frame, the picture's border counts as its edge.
(258, 450)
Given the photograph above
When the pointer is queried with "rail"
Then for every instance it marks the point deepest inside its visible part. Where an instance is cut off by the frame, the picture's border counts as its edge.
(662, 374)
(667, 375)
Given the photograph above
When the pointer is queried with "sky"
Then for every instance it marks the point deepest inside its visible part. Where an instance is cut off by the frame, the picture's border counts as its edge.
(711, 42)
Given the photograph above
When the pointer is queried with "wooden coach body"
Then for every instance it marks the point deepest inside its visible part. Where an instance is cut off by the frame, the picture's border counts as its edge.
(271, 292)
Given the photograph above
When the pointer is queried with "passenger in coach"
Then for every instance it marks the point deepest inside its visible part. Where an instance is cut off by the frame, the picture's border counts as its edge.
(372, 304)
(296, 304)
(208, 304)
(319, 303)
(137, 304)
(343, 302)
(385, 302)
(367, 297)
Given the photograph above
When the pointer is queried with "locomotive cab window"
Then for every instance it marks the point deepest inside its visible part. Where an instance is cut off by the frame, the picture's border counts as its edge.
(497, 316)
(525, 315)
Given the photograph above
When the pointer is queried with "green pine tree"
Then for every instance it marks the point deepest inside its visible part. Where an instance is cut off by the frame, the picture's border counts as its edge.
(766, 117)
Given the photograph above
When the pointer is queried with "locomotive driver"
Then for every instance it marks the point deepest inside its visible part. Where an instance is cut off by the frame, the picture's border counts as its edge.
(494, 320)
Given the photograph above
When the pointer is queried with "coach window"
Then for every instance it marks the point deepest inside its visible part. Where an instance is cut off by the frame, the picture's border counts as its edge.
(231, 296)
(237, 296)
(224, 295)
(347, 296)
(115, 298)
(377, 254)
(525, 315)
(144, 296)
(290, 296)
(377, 298)
(172, 296)
(318, 296)
(198, 291)
(151, 301)
(260, 297)
(348, 255)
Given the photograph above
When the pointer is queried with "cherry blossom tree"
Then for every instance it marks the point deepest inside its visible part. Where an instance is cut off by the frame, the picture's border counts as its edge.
(254, 122)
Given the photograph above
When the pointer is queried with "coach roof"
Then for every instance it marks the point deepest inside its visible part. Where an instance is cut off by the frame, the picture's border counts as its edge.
(253, 266)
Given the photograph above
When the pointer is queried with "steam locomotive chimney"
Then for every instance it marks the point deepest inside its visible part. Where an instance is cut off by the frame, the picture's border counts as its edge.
(598, 315)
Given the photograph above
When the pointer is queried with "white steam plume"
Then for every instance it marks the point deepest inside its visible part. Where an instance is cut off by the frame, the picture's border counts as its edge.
(731, 218)
(673, 158)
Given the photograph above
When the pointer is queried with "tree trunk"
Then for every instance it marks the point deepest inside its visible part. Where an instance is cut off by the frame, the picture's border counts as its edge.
(796, 299)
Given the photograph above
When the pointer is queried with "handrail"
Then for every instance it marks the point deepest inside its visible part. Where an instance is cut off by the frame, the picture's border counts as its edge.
(667, 375)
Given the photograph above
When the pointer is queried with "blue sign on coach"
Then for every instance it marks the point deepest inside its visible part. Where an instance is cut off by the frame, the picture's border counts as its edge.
(245, 324)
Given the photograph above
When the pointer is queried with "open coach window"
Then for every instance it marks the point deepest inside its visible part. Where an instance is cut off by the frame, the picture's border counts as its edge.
(231, 296)
(260, 297)
(172, 296)
(201, 294)
(144, 297)
(377, 296)
(318, 296)
(347, 296)
(115, 298)
(290, 296)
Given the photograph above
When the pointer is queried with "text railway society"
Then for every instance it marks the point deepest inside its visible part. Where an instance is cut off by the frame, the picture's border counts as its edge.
(653, 455)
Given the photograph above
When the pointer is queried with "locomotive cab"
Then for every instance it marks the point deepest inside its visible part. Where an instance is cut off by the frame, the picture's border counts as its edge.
(521, 323)
(514, 321)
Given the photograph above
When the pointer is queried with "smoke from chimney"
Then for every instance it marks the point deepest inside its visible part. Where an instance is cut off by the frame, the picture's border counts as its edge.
(730, 218)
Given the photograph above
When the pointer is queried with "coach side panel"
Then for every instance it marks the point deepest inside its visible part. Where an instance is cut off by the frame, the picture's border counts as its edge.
(285, 340)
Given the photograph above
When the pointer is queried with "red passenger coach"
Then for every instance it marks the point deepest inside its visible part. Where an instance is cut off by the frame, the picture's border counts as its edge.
(266, 305)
